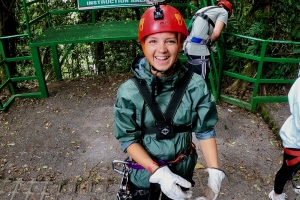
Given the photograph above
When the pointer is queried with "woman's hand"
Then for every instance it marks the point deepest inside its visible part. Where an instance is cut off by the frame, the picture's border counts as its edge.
(170, 183)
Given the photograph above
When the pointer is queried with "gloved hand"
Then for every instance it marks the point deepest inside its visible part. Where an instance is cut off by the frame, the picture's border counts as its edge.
(215, 178)
(170, 183)
(213, 48)
(208, 42)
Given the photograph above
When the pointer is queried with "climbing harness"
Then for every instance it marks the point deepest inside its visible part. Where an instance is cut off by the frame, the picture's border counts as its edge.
(124, 189)
(196, 40)
(164, 127)
(292, 153)
(204, 16)
(293, 162)
(125, 192)
(199, 65)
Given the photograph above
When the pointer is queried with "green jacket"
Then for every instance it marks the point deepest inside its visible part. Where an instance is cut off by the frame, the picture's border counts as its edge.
(131, 112)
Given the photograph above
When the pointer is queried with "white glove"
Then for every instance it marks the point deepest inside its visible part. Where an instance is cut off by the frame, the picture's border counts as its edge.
(214, 180)
(170, 183)
(213, 48)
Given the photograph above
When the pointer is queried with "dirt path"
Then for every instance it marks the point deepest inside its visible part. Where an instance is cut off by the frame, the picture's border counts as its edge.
(69, 136)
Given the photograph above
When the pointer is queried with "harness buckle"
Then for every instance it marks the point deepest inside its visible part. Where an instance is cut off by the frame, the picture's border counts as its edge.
(143, 192)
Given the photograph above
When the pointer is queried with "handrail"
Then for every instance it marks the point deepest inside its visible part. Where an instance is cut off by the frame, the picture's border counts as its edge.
(262, 40)
(257, 80)
(8, 83)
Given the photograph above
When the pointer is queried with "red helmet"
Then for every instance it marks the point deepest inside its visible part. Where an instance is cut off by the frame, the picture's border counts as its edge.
(172, 21)
(227, 5)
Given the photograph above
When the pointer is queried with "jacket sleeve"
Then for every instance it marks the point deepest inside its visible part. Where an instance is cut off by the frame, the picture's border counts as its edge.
(206, 115)
(126, 129)
(294, 100)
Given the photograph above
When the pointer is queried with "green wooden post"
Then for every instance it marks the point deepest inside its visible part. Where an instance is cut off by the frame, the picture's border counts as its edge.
(1, 63)
(258, 75)
(7, 72)
(56, 64)
(221, 55)
(39, 72)
(48, 13)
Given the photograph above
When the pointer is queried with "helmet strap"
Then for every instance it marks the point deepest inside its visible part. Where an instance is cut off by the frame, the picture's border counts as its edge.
(162, 72)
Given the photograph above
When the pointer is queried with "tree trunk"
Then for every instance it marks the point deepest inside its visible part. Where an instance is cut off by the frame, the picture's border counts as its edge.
(239, 87)
(99, 53)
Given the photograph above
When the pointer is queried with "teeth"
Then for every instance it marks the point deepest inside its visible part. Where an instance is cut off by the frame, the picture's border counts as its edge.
(162, 58)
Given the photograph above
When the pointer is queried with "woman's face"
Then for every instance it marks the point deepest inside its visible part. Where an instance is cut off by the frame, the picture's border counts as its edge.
(161, 51)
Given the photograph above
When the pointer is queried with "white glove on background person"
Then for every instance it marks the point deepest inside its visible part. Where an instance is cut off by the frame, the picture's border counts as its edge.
(170, 183)
(213, 48)
(215, 178)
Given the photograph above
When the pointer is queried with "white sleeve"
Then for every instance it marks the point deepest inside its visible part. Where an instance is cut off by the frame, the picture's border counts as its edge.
(294, 101)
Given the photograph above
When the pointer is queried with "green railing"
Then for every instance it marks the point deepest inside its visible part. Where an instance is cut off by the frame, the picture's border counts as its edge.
(218, 61)
(9, 83)
(262, 59)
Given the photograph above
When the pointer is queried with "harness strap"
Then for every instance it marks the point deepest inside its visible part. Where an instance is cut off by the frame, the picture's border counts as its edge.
(180, 158)
(200, 62)
(292, 153)
(176, 129)
(183, 157)
(204, 16)
(173, 103)
(196, 40)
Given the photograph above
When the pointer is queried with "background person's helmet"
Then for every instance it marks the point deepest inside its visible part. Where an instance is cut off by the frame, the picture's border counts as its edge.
(172, 21)
(227, 5)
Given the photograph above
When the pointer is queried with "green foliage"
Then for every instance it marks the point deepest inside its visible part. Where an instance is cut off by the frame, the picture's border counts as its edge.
(273, 20)
(268, 20)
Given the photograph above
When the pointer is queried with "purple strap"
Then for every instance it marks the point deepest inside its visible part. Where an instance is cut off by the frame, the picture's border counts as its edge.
(135, 165)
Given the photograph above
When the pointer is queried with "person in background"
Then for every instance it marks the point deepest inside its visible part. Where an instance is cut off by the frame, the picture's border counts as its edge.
(154, 128)
(207, 25)
(289, 133)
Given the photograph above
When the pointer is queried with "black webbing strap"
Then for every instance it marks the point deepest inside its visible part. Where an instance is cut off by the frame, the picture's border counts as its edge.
(177, 95)
(176, 129)
(204, 16)
(172, 106)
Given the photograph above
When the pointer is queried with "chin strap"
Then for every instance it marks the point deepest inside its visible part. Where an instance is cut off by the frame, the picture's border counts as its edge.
(163, 72)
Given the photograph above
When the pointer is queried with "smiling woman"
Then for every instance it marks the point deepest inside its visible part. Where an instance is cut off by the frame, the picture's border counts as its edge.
(162, 38)
(157, 111)
(161, 51)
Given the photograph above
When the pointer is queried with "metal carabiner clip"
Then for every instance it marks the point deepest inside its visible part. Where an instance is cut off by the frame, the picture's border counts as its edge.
(124, 164)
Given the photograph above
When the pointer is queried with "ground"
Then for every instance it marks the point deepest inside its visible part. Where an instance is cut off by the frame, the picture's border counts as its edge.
(69, 136)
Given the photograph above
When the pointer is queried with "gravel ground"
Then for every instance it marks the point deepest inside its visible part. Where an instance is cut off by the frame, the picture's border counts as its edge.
(62, 147)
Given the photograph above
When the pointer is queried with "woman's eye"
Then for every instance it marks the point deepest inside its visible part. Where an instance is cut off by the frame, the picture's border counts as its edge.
(152, 41)
(172, 41)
